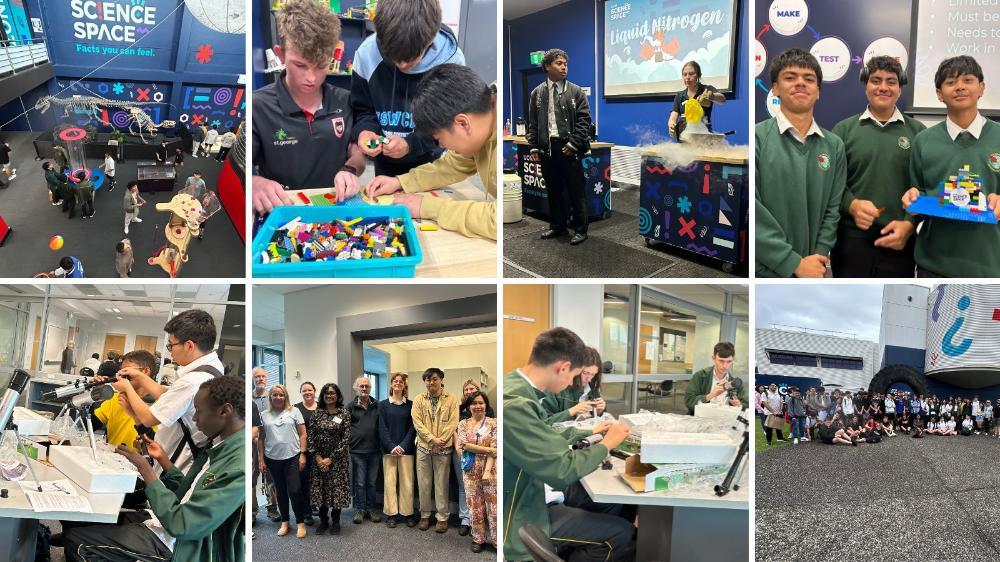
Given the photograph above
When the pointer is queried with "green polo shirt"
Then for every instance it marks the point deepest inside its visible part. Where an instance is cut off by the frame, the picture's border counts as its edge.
(798, 195)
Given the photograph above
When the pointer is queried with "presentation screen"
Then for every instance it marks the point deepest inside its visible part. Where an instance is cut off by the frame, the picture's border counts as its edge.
(647, 42)
(944, 29)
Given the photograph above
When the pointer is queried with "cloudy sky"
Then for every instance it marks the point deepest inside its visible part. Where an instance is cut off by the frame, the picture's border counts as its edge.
(854, 309)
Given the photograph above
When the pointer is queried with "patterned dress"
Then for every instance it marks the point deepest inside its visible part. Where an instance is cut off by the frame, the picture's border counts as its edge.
(330, 439)
(480, 489)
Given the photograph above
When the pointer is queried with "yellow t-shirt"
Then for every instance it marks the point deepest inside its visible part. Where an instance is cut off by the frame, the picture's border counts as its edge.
(119, 425)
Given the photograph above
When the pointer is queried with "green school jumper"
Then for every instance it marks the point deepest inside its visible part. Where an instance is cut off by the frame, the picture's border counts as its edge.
(798, 194)
(209, 526)
(535, 454)
(558, 405)
(878, 170)
(700, 384)
(953, 248)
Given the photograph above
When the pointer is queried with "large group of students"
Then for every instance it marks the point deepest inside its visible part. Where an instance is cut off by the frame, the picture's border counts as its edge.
(846, 418)
(322, 455)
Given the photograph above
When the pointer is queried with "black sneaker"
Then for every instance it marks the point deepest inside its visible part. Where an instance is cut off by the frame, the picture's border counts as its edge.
(390, 522)
(274, 516)
(359, 517)
(464, 530)
(477, 548)
(308, 520)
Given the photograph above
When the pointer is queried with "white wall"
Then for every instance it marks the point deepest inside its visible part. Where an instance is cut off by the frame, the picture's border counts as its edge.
(579, 308)
(311, 321)
(481, 355)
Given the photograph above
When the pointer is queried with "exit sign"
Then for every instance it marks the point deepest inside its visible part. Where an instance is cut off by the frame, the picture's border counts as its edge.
(536, 57)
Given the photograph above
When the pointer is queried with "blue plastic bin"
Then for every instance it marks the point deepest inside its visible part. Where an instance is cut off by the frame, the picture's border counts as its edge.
(377, 267)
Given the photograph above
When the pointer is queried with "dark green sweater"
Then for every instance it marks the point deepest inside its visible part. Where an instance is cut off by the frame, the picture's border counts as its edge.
(878, 169)
(798, 194)
(955, 248)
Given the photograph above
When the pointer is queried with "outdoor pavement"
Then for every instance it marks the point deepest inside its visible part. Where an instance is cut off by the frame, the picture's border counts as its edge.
(904, 499)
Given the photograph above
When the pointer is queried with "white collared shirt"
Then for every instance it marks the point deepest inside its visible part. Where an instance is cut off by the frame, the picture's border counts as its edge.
(975, 128)
(784, 124)
(897, 115)
(554, 88)
(525, 377)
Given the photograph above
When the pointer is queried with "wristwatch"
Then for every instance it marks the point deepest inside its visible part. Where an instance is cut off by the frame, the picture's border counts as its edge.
(349, 168)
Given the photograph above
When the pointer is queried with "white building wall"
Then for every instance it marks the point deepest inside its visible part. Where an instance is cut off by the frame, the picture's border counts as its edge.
(834, 346)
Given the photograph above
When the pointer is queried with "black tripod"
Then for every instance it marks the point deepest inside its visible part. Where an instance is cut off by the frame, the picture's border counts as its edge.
(737, 467)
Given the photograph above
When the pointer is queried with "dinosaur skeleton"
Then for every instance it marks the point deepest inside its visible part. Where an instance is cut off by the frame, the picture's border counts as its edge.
(92, 105)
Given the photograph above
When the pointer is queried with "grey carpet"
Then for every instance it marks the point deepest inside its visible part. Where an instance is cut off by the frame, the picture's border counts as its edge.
(367, 541)
(25, 207)
(620, 236)
(902, 499)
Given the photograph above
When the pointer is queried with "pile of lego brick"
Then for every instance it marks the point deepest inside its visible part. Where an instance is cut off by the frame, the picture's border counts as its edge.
(339, 240)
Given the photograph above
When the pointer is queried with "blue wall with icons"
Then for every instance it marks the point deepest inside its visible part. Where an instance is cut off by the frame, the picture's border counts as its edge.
(189, 63)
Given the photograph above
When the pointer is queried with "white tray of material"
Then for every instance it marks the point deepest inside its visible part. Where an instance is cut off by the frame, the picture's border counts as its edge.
(108, 474)
(30, 422)
(696, 448)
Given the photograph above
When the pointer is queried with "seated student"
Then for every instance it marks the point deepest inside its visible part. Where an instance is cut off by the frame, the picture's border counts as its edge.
(904, 424)
(302, 126)
(954, 248)
(854, 429)
(931, 427)
(966, 426)
(535, 454)
(713, 384)
(831, 431)
(583, 397)
(459, 110)
(918, 426)
(410, 39)
(947, 427)
(872, 432)
(800, 175)
(874, 237)
(112, 415)
(200, 514)
(886, 427)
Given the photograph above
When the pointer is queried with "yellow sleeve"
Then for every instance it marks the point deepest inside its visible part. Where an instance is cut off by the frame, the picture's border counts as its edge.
(103, 412)
(468, 218)
(450, 168)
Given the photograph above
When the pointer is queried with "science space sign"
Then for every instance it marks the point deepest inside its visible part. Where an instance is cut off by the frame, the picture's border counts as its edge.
(963, 328)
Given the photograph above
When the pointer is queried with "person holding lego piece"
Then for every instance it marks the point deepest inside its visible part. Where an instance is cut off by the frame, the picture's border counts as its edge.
(559, 135)
(459, 110)
(800, 172)
(965, 144)
(199, 513)
(715, 384)
(875, 237)
(410, 40)
(302, 126)
(583, 397)
(536, 454)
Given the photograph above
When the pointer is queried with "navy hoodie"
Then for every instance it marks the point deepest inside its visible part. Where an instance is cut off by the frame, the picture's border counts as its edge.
(381, 94)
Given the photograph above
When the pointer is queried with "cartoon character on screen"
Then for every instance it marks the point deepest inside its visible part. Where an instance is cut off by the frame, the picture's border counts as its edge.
(186, 217)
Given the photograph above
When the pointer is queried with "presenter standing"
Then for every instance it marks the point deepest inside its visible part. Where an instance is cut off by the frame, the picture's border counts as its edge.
(708, 96)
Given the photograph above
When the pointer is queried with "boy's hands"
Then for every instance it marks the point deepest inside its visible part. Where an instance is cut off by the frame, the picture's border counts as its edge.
(365, 137)
(864, 212)
(910, 196)
(813, 266)
(895, 235)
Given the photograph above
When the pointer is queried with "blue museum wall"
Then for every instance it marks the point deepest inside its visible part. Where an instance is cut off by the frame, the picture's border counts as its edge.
(195, 73)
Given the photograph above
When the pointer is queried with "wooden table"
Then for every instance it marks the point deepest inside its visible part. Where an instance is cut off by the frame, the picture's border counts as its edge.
(446, 253)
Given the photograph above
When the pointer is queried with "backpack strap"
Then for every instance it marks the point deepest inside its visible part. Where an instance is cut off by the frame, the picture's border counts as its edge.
(187, 439)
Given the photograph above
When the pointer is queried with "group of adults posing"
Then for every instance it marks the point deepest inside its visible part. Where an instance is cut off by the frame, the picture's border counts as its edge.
(323, 455)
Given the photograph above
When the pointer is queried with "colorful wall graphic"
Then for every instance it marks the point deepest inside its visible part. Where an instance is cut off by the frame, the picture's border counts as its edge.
(119, 90)
(702, 207)
(221, 106)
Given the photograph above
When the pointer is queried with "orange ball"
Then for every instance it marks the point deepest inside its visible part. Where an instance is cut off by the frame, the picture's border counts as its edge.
(56, 243)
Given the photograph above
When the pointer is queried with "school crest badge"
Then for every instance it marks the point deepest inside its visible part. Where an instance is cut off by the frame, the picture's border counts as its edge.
(824, 161)
(338, 126)
(903, 143)
(995, 161)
